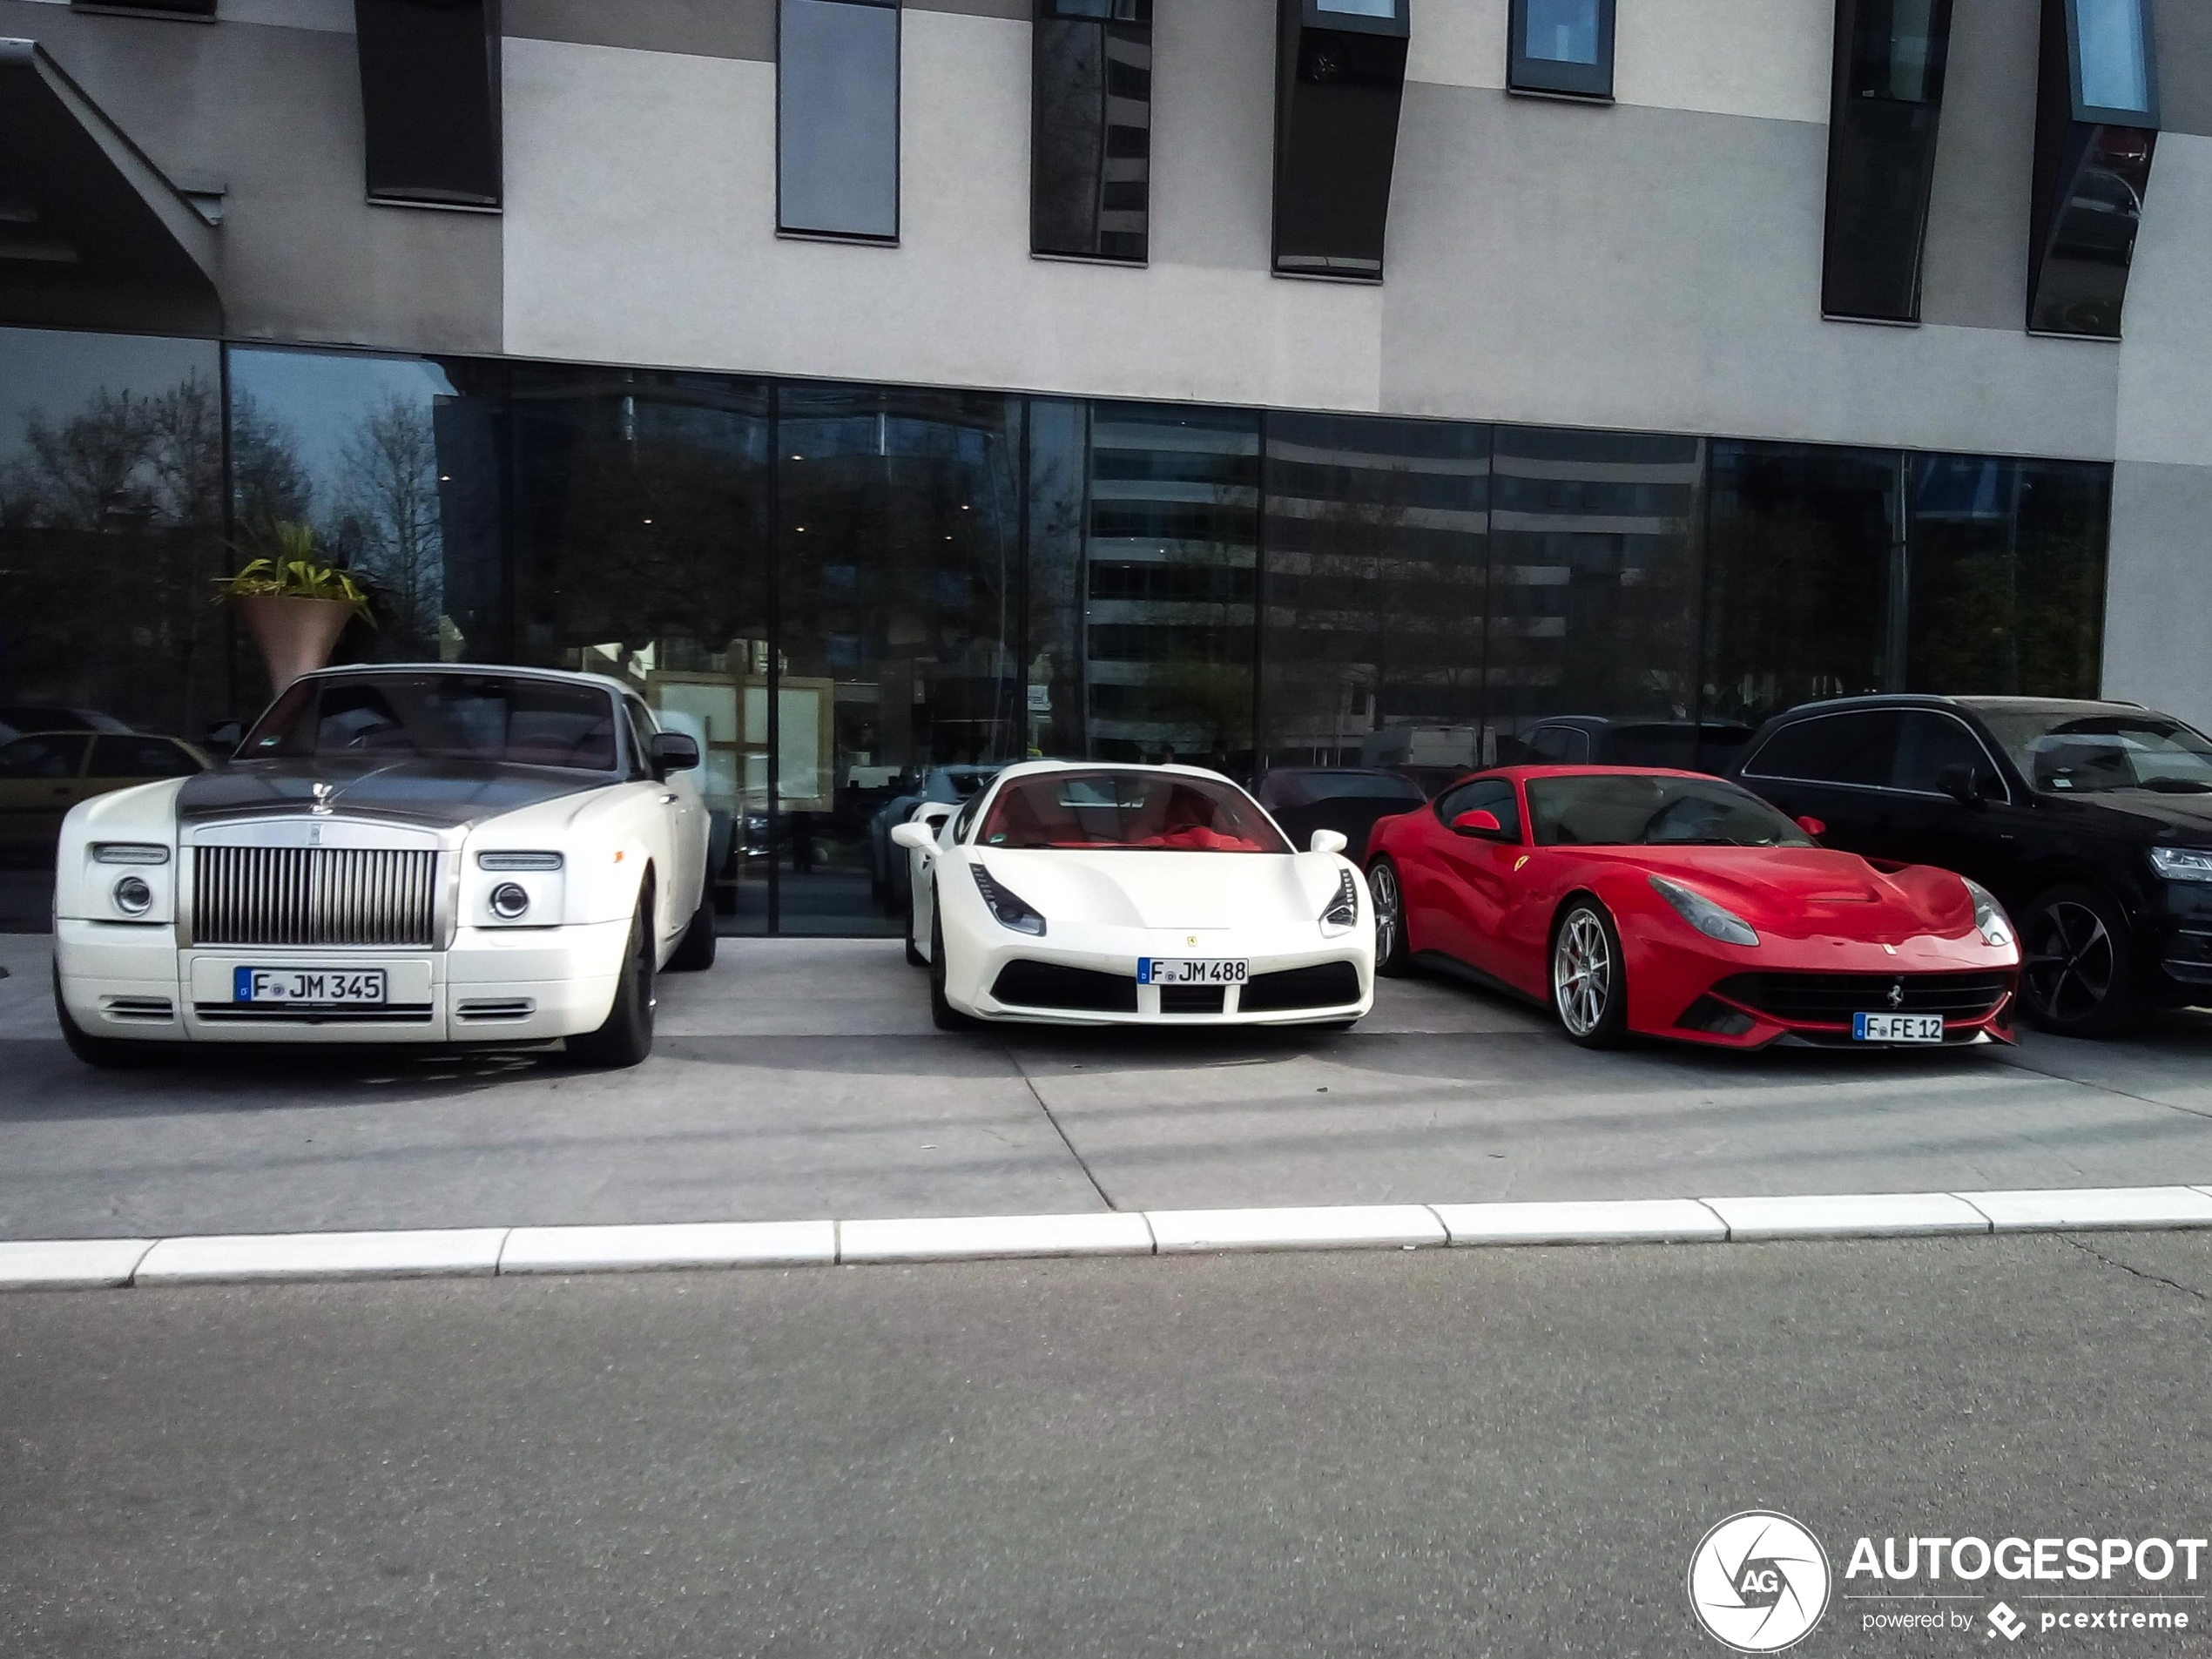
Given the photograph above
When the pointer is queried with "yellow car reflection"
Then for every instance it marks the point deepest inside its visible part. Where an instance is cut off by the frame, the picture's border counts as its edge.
(45, 773)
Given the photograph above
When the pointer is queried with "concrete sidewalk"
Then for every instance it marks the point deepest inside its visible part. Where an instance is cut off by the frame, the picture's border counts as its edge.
(801, 1079)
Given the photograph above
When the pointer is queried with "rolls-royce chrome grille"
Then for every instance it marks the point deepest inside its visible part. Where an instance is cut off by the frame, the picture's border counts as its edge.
(313, 895)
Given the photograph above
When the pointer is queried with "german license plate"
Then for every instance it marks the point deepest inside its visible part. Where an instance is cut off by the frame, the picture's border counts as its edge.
(1192, 970)
(1897, 1028)
(318, 986)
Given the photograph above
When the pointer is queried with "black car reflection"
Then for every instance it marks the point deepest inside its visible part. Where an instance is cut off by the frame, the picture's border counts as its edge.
(1349, 800)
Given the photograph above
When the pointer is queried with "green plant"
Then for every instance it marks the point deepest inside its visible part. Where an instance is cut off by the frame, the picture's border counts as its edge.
(281, 565)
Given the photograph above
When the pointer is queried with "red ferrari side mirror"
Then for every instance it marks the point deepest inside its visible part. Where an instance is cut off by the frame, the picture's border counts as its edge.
(1478, 823)
(1813, 827)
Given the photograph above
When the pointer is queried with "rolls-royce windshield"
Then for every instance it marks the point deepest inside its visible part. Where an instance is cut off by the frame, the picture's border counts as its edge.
(448, 717)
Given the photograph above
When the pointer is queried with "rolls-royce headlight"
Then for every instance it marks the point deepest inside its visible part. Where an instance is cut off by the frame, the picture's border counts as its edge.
(1704, 914)
(1010, 907)
(129, 852)
(510, 901)
(1343, 913)
(1990, 920)
(518, 860)
(132, 896)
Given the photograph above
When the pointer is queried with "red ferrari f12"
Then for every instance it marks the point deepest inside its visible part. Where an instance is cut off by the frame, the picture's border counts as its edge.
(1672, 905)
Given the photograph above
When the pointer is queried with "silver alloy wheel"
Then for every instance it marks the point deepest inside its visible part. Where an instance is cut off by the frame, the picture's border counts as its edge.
(2071, 963)
(1582, 972)
(1382, 882)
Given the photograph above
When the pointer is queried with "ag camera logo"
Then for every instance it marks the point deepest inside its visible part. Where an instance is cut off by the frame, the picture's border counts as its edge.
(1759, 1582)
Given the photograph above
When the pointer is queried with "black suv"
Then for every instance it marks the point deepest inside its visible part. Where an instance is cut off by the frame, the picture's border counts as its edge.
(2091, 821)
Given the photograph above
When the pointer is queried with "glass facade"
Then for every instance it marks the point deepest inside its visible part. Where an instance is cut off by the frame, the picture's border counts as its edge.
(840, 591)
(837, 118)
(1090, 156)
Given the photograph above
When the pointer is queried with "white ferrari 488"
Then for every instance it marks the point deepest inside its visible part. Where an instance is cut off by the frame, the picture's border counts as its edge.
(1099, 894)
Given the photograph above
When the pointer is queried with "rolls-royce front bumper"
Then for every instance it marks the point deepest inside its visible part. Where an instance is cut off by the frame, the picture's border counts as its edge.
(506, 985)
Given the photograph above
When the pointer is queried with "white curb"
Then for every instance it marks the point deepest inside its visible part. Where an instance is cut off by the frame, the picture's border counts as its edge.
(1340, 1227)
(310, 1256)
(650, 1249)
(985, 1238)
(71, 1263)
(1628, 1221)
(2107, 1207)
(1864, 1215)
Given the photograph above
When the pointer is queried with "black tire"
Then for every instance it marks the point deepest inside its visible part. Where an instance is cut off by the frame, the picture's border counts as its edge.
(915, 957)
(1589, 985)
(694, 952)
(941, 1012)
(2078, 975)
(627, 1036)
(107, 1054)
(1394, 953)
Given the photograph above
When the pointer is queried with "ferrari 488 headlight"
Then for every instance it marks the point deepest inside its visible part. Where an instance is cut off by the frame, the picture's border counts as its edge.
(1990, 920)
(1704, 914)
(1343, 913)
(1010, 907)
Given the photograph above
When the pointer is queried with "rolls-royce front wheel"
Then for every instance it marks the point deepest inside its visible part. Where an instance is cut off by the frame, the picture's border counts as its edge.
(627, 1036)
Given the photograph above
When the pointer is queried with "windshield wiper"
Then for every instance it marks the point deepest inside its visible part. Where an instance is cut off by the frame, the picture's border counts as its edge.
(2176, 786)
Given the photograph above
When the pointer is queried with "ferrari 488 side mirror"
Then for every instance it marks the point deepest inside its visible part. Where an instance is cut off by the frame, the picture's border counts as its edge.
(1479, 823)
(913, 836)
(1328, 842)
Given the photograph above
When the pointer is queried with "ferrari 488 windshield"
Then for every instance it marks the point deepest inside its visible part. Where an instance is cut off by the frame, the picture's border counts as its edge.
(1099, 811)
(1627, 810)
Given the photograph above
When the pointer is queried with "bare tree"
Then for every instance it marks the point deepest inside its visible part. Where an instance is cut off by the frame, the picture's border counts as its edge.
(388, 526)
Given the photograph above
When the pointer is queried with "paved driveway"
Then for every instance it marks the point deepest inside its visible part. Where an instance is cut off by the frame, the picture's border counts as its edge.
(802, 1078)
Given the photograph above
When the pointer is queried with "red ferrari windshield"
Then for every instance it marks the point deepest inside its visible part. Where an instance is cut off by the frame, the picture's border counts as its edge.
(1130, 811)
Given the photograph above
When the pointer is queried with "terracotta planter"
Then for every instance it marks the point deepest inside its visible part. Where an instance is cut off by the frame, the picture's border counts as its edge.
(295, 636)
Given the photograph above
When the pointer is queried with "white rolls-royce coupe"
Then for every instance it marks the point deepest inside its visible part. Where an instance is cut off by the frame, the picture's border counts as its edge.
(1099, 894)
(414, 853)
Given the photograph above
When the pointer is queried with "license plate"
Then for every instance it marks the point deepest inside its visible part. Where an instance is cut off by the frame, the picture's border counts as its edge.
(1897, 1028)
(323, 987)
(1192, 970)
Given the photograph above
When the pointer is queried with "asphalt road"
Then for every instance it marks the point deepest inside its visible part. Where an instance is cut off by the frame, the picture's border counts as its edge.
(801, 1079)
(1444, 1452)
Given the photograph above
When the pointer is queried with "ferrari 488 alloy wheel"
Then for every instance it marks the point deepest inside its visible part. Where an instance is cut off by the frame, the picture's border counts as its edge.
(1588, 987)
(1393, 958)
(2076, 975)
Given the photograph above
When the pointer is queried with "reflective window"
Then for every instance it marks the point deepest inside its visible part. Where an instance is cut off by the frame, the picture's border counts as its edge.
(1881, 154)
(2084, 750)
(430, 99)
(1493, 795)
(2114, 54)
(1616, 810)
(1375, 584)
(1172, 558)
(1340, 76)
(1801, 546)
(1593, 575)
(2007, 576)
(642, 552)
(899, 589)
(1858, 749)
(1091, 155)
(1929, 744)
(392, 464)
(44, 757)
(111, 540)
(1562, 46)
(837, 117)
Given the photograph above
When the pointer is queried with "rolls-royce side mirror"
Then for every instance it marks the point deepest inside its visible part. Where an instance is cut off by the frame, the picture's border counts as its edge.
(673, 752)
(1325, 840)
(1479, 823)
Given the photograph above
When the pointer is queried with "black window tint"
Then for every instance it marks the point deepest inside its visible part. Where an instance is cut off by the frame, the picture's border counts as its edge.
(1092, 138)
(1562, 46)
(139, 758)
(1833, 749)
(1340, 77)
(41, 757)
(430, 82)
(1881, 154)
(1931, 742)
(837, 117)
(1484, 795)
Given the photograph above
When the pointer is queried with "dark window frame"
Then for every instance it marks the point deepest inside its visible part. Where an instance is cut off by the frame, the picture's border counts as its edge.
(174, 11)
(861, 238)
(1549, 77)
(1995, 771)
